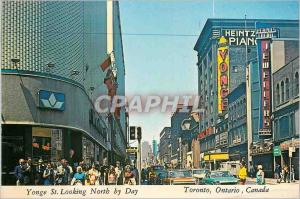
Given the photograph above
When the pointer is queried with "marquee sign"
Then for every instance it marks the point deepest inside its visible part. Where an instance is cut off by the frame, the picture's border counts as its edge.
(223, 75)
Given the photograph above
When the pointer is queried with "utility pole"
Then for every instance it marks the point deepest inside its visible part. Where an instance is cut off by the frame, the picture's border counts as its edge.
(136, 134)
(139, 137)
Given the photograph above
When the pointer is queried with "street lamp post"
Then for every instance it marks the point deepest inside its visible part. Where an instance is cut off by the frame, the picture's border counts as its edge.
(180, 150)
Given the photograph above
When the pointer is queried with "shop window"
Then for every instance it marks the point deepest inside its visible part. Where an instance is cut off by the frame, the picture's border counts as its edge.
(284, 126)
(88, 152)
(46, 144)
(41, 143)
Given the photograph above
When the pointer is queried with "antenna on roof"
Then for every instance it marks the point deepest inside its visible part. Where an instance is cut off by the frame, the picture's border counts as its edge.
(213, 8)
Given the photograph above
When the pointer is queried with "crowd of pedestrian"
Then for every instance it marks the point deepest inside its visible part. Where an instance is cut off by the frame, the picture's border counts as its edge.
(62, 173)
(284, 174)
(280, 174)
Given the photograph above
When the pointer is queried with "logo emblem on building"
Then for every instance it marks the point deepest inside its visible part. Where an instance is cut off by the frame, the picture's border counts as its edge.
(51, 100)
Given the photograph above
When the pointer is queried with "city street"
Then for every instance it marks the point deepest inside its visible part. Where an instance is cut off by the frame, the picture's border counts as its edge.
(108, 92)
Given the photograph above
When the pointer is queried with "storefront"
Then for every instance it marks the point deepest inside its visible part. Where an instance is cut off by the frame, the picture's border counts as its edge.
(49, 119)
(266, 160)
(238, 153)
(290, 154)
(213, 160)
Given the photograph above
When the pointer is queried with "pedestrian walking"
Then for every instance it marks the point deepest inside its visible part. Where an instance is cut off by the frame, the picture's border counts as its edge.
(48, 175)
(243, 173)
(143, 175)
(93, 175)
(277, 173)
(69, 170)
(112, 176)
(79, 177)
(104, 174)
(251, 170)
(135, 173)
(38, 173)
(292, 178)
(28, 174)
(60, 174)
(260, 175)
(152, 176)
(286, 174)
(19, 172)
(129, 176)
(119, 171)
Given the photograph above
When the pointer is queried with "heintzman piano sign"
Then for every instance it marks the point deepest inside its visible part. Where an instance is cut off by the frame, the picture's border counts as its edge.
(240, 37)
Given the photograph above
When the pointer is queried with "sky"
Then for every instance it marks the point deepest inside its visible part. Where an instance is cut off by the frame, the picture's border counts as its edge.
(166, 64)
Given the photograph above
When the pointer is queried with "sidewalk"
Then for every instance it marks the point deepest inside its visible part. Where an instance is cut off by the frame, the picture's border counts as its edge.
(271, 181)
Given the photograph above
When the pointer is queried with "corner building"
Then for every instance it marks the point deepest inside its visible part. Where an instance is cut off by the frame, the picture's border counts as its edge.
(233, 42)
(51, 77)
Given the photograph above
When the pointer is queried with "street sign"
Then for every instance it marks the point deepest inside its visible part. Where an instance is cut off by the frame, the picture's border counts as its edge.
(132, 150)
(291, 150)
(276, 151)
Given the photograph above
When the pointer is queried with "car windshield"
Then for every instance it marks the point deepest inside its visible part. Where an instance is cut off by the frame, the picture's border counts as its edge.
(220, 174)
(158, 167)
(199, 171)
(162, 174)
(175, 174)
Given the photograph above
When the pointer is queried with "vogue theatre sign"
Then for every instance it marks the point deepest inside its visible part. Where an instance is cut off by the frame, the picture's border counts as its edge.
(240, 37)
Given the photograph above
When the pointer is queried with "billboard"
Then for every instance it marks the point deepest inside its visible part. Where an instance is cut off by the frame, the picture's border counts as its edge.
(237, 37)
(240, 37)
(223, 75)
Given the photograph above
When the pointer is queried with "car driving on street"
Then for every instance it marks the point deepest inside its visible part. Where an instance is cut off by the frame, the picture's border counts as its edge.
(219, 178)
(179, 177)
(199, 174)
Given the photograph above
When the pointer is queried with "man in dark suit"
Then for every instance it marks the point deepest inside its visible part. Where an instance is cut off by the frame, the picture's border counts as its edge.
(19, 172)
(39, 171)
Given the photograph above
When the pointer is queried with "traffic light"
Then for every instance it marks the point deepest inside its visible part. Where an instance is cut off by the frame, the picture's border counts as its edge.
(132, 133)
(139, 133)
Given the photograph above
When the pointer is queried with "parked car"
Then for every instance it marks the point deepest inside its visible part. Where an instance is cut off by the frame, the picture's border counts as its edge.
(232, 166)
(219, 177)
(159, 174)
(163, 174)
(179, 177)
(199, 174)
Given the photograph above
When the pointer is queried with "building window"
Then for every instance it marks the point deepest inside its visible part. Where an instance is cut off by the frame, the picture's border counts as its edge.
(235, 69)
(292, 125)
(287, 88)
(297, 83)
(282, 91)
(277, 95)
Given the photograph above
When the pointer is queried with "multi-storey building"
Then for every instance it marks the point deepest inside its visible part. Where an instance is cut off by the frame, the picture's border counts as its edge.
(285, 75)
(164, 142)
(179, 145)
(237, 124)
(51, 77)
(147, 155)
(224, 47)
